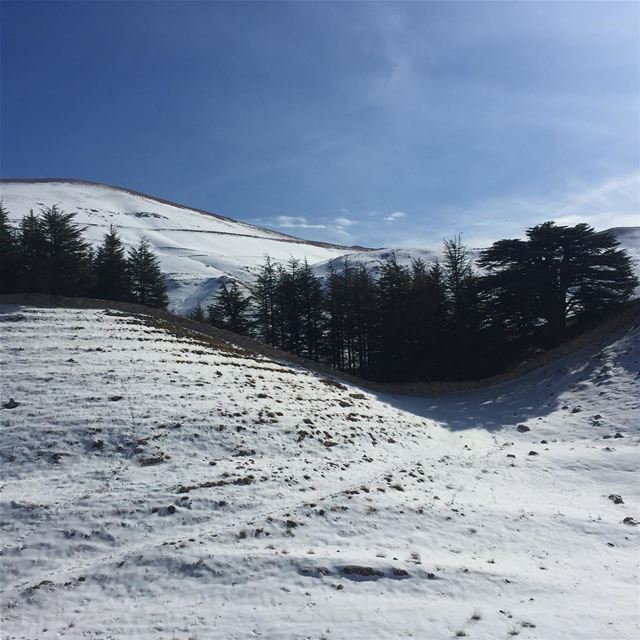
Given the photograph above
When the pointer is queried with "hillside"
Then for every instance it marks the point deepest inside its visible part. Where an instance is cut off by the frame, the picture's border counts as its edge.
(197, 250)
(161, 484)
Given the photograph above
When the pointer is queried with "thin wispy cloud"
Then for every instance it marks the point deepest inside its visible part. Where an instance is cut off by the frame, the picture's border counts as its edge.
(396, 215)
(344, 222)
(336, 229)
(612, 203)
(296, 222)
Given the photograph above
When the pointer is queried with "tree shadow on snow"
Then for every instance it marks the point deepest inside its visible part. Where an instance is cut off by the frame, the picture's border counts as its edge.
(535, 395)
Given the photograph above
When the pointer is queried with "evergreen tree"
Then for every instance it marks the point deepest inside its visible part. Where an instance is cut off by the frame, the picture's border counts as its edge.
(145, 278)
(288, 306)
(265, 304)
(335, 308)
(67, 257)
(463, 305)
(556, 273)
(110, 269)
(231, 310)
(394, 285)
(459, 281)
(362, 317)
(9, 257)
(427, 320)
(439, 317)
(31, 252)
(197, 314)
(311, 311)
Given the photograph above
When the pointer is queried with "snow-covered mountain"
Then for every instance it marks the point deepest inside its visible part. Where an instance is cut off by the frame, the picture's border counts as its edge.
(197, 250)
(157, 484)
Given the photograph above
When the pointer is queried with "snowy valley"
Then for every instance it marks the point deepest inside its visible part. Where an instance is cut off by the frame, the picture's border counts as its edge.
(158, 483)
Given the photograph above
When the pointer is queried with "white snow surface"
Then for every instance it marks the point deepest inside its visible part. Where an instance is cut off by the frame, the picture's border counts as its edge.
(197, 250)
(304, 509)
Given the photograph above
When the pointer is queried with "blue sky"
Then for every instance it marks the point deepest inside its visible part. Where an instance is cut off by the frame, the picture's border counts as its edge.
(371, 123)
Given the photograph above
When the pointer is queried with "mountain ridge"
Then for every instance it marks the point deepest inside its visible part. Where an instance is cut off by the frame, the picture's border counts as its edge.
(141, 194)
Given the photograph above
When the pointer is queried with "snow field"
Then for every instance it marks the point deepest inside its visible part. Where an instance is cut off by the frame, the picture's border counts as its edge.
(157, 484)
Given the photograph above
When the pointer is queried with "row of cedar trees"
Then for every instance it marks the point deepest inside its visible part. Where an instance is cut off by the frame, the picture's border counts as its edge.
(443, 320)
(46, 253)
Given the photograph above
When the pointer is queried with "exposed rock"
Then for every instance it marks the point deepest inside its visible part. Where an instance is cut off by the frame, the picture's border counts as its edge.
(150, 461)
(333, 383)
(364, 572)
(522, 428)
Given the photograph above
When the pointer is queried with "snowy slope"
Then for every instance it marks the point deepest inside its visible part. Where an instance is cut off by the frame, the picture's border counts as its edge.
(157, 485)
(196, 249)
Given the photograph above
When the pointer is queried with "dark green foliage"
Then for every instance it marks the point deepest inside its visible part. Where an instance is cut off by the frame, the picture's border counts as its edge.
(350, 339)
(31, 251)
(8, 254)
(289, 320)
(394, 290)
(443, 321)
(556, 273)
(428, 320)
(47, 254)
(110, 269)
(461, 287)
(311, 302)
(53, 257)
(198, 314)
(265, 309)
(231, 309)
(288, 306)
(146, 284)
(362, 302)
(67, 256)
